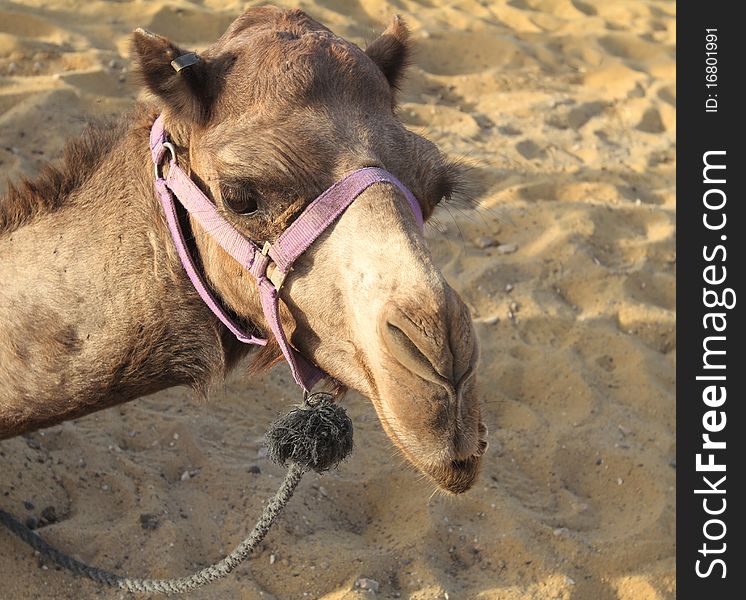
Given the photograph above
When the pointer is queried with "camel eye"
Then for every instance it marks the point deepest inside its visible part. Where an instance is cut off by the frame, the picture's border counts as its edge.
(239, 199)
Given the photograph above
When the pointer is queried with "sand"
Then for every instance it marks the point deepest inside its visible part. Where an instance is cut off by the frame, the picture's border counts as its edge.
(566, 111)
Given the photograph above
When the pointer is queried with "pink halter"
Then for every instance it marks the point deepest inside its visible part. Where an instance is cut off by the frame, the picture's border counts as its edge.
(295, 240)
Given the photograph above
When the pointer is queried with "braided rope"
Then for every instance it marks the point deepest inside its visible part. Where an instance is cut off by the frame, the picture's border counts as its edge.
(167, 586)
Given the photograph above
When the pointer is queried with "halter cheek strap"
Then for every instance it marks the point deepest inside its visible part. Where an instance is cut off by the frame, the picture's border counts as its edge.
(295, 240)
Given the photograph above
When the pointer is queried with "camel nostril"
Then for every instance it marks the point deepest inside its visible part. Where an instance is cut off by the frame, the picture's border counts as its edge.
(416, 352)
(400, 343)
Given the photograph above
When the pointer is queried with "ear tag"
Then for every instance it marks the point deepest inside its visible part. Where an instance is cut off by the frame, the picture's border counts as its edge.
(184, 61)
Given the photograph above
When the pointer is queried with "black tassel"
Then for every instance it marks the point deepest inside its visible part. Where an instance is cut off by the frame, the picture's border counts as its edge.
(316, 435)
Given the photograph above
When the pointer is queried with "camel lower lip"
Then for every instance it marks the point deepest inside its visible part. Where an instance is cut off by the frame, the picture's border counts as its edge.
(458, 476)
(453, 476)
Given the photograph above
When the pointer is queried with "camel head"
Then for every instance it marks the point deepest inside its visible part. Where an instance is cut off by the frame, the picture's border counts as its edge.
(271, 115)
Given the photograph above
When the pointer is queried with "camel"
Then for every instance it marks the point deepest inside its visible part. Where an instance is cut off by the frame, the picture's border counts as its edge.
(96, 308)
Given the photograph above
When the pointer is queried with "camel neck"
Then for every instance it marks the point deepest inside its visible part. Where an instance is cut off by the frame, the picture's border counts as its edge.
(97, 306)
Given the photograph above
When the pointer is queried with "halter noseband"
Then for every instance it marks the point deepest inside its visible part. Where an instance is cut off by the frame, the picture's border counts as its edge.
(296, 239)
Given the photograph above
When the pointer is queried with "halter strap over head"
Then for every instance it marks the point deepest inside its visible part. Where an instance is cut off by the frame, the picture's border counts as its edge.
(293, 242)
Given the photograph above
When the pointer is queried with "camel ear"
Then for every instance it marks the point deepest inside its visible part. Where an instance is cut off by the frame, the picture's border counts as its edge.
(183, 85)
(391, 51)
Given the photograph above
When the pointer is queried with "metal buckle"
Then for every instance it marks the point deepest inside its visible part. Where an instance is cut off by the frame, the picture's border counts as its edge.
(313, 399)
(277, 277)
(159, 165)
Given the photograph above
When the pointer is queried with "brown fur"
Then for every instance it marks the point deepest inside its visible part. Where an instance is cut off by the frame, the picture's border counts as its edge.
(54, 184)
(97, 309)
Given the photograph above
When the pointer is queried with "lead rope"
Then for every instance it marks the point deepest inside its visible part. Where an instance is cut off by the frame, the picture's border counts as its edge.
(317, 435)
(166, 586)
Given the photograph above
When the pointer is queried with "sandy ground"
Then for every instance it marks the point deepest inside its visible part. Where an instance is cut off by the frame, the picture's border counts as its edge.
(566, 110)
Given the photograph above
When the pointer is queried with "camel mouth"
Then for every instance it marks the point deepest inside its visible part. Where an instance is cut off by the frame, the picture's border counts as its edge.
(454, 476)
(458, 475)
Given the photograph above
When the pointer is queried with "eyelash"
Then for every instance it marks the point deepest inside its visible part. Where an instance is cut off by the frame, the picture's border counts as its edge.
(239, 199)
